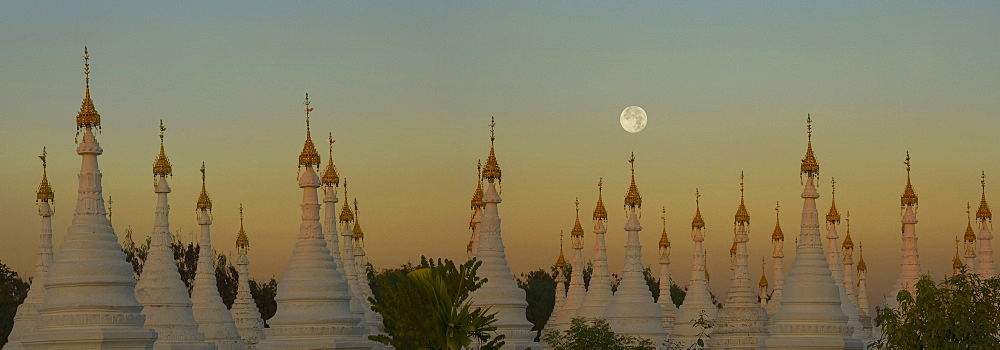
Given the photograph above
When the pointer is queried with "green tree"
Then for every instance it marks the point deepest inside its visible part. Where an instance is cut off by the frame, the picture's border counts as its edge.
(263, 295)
(429, 307)
(958, 313)
(597, 335)
(13, 290)
(540, 292)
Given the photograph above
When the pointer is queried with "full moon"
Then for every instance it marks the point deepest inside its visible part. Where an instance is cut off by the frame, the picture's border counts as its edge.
(633, 119)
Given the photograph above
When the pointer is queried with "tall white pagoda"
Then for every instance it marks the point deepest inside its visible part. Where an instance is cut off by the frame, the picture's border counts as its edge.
(164, 297)
(346, 220)
(577, 289)
(599, 295)
(985, 218)
(909, 272)
(742, 322)
(331, 180)
(970, 240)
(477, 214)
(698, 300)
(500, 292)
(372, 319)
(864, 313)
(665, 301)
(560, 280)
(810, 315)
(214, 319)
(778, 255)
(833, 258)
(245, 313)
(27, 312)
(314, 310)
(632, 310)
(90, 289)
(850, 277)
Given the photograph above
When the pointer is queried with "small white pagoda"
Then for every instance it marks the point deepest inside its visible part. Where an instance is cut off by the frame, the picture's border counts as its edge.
(599, 295)
(245, 313)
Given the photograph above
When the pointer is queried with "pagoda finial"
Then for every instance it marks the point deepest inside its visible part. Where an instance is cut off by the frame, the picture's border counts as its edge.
(600, 213)
(909, 197)
(777, 235)
(242, 242)
(664, 241)
(861, 255)
(810, 166)
(110, 202)
(358, 233)
(162, 167)
(698, 221)
(833, 216)
(577, 228)
(88, 116)
(204, 203)
(970, 236)
(848, 242)
(477, 196)
(984, 212)
(330, 176)
(491, 172)
(742, 215)
(561, 261)
(632, 197)
(309, 156)
(957, 262)
(45, 193)
(763, 273)
(346, 215)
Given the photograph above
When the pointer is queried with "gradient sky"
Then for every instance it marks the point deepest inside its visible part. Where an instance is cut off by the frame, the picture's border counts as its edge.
(407, 88)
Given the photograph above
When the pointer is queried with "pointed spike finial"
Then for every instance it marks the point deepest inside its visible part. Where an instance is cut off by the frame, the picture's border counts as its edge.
(309, 156)
(161, 166)
(741, 184)
(909, 197)
(698, 221)
(809, 127)
(493, 124)
(491, 171)
(777, 235)
(577, 228)
(86, 66)
(330, 175)
(204, 202)
(345, 214)
(742, 215)
(600, 212)
(632, 198)
(88, 116)
(810, 166)
(45, 193)
(110, 202)
(242, 242)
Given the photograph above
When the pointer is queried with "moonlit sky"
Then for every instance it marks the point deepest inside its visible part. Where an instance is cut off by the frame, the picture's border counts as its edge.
(407, 88)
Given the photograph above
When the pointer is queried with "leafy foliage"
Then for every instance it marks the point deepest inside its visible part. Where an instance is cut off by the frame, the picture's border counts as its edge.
(597, 335)
(958, 313)
(13, 291)
(429, 307)
(540, 291)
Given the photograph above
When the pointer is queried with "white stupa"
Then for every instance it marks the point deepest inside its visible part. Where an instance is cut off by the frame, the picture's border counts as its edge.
(778, 254)
(90, 289)
(851, 280)
(833, 258)
(577, 289)
(501, 292)
(742, 322)
(314, 310)
(762, 285)
(810, 315)
(864, 313)
(477, 214)
(669, 310)
(632, 310)
(372, 319)
(164, 297)
(245, 313)
(214, 319)
(560, 279)
(909, 272)
(349, 265)
(698, 300)
(599, 295)
(985, 218)
(27, 312)
(970, 241)
(331, 180)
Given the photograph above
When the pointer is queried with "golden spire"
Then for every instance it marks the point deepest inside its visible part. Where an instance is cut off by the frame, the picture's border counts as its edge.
(957, 262)
(632, 198)
(984, 212)
(833, 216)
(358, 233)
(346, 215)
(970, 236)
(599, 212)
(577, 229)
(45, 193)
(492, 170)
(109, 212)
(848, 242)
(909, 196)
(763, 273)
(242, 242)
(664, 241)
(698, 222)
(88, 116)
(561, 262)
(861, 262)
(810, 166)
(309, 156)
(204, 203)
(477, 197)
(330, 176)
(742, 216)
(777, 235)
(162, 167)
